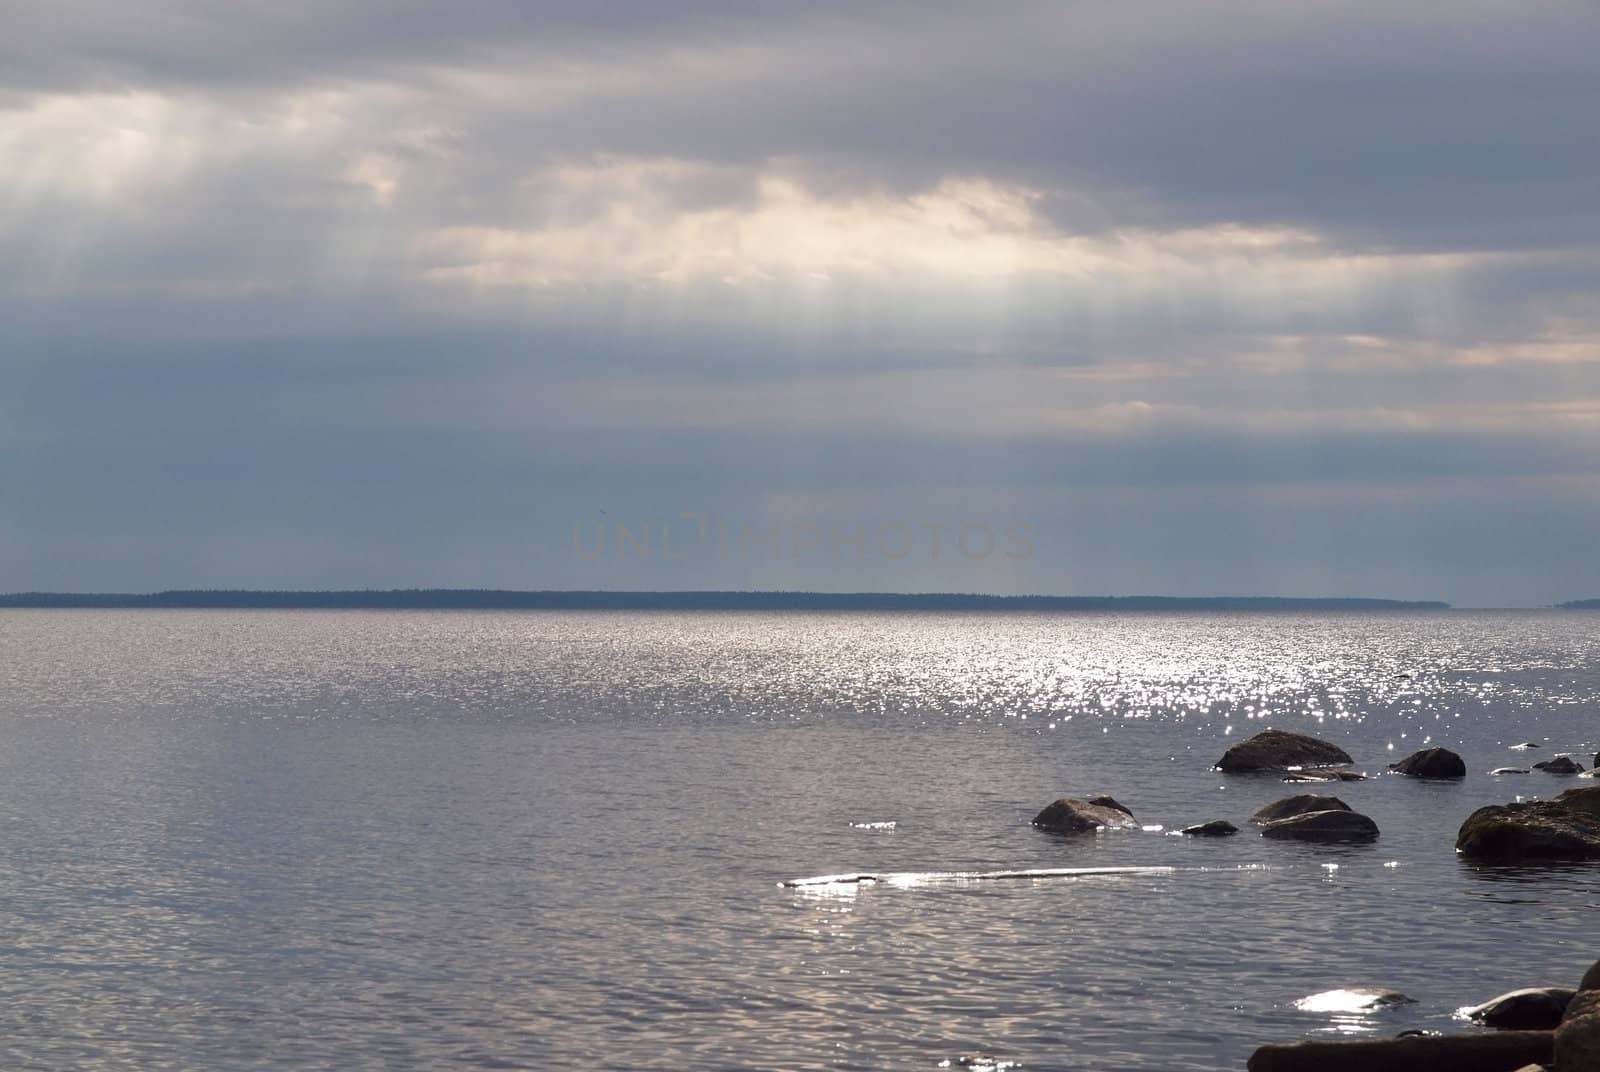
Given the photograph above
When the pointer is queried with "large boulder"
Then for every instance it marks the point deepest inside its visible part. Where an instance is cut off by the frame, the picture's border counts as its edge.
(1322, 826)
(1560, 765)
(1566, 828)
(1533, 1009)
(1431, 763)
(1577, 1042)
(1299, 805)
(1069, 815)
(1277, 749)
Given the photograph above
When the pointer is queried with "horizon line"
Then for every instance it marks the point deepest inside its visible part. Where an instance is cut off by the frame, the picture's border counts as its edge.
(688, 599)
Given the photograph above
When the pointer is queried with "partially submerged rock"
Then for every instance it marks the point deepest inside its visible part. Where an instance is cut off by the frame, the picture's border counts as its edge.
(1322, 826)
(1278, 750)
(1325, 774)
(1353, 999)
(1560, 765)
(1069, 815)
(1298, 805)
(1536, 1008)
(1431, 763)
(1566, 828)
(1111, 802)
(1215, 828)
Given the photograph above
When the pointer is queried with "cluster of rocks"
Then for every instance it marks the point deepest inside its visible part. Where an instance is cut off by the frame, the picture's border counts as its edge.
(1546, 1029)
(1560, 764)
(1540, 1029)
(1300, 818)
(1567, 827)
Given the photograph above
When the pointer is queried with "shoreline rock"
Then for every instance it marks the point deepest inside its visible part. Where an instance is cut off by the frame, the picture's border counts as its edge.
(1497, 1052)
(1535, 1008)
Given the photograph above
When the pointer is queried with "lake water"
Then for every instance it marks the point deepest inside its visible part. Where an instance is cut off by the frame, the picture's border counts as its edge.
(363, 840)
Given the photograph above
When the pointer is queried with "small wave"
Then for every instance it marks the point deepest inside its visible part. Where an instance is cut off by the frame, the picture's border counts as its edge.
(875, 826)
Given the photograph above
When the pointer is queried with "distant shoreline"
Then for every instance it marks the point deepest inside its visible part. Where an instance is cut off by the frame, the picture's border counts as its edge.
(506, 599)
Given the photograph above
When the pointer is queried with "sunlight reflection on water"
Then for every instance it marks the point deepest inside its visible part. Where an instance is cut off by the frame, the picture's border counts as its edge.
(370, 840)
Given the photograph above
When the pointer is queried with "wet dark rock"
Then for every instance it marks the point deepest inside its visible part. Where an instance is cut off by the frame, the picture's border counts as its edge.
(1322, 826)
(1325, 774)
(1215, 828)
(1577, 1040)
(1511, 770)
(1431, 763)
(1298, 805)
(1278, 750)
(1591, 978)
(1070, 815)
(1531, 1009)
(1485, 1052)
(1566, 828)
(1560, 765)
(1110, 802)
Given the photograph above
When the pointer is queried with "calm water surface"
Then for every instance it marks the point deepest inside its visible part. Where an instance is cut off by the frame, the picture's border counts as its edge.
(363, 840)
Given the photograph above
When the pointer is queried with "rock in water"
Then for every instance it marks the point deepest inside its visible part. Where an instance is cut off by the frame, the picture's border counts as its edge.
(1431, 763)
(1278, 749)
(1353, 999)
(1533, 1009)
(1578, 1037)
(1111, 802)
(1566, 828)
(1322, 826)
(1325, 774)
(1215, 828)
(1300, 805)
(1560, 765)
(1069, 815)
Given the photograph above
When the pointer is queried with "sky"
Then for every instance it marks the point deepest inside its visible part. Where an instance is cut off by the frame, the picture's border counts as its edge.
(1184, 298)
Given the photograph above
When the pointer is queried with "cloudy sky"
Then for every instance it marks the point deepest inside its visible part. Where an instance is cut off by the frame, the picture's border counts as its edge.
(1189, 297)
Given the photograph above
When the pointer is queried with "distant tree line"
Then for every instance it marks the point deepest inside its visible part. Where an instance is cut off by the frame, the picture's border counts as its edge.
(505, 599)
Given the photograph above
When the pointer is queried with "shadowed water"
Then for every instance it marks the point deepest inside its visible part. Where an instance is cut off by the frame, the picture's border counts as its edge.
(556, 840)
